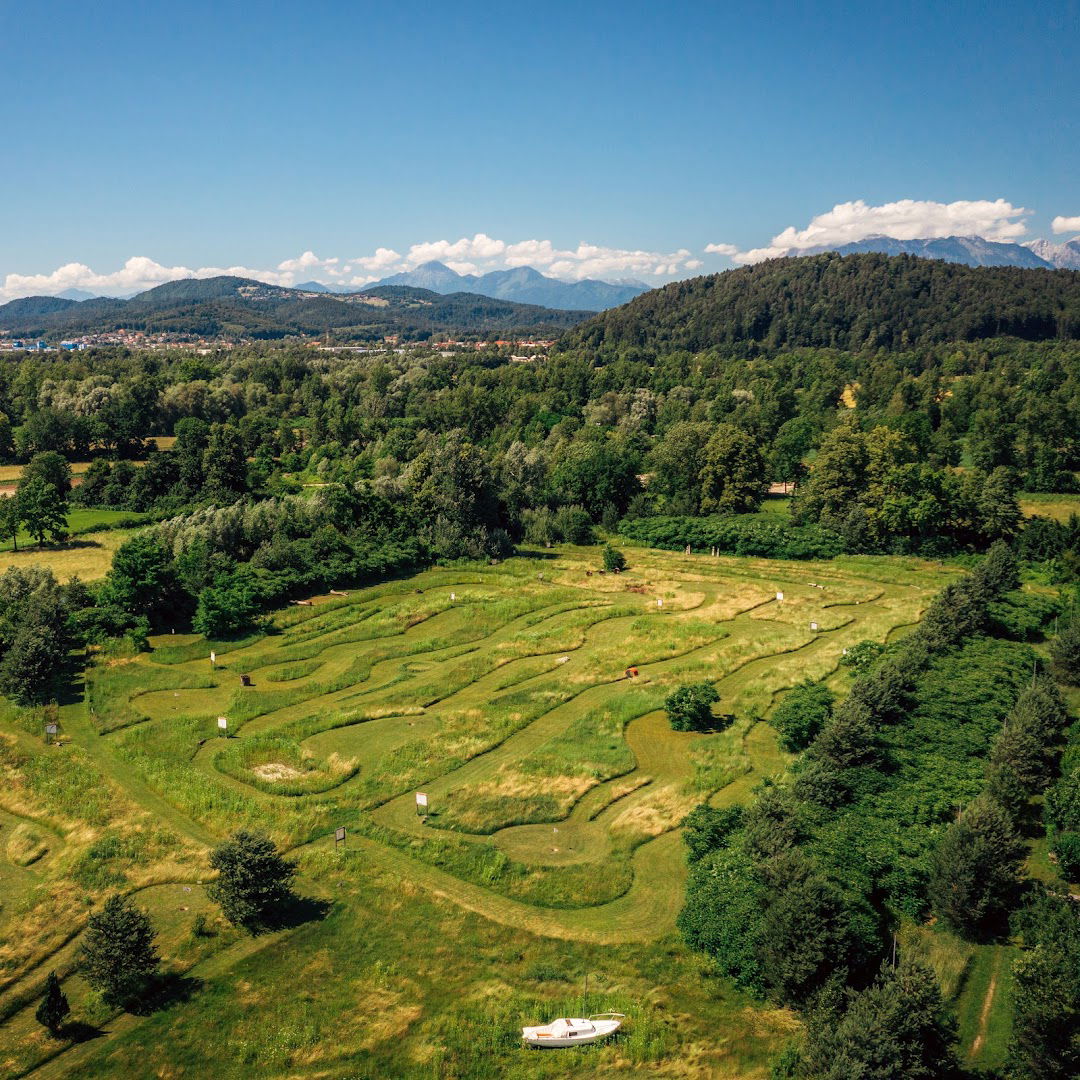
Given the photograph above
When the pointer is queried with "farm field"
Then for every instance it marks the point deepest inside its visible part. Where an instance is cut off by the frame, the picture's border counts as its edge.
(550, 848)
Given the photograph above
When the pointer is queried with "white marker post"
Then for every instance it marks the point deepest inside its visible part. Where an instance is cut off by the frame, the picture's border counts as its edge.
(223, 725)
(779, 597)
(213, 658)
(813, 626)
(659, 601)
(421, 802)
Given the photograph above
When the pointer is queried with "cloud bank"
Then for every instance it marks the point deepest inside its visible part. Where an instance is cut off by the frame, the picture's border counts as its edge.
(907, 219)
(469, 255)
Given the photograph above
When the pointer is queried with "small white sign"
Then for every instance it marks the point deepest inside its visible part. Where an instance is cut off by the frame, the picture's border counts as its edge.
(813, 626)
(659, 602)
(223, 723)
(213, 657)
(421, 799)
(453, 596)
(50, 729)
(780, 596)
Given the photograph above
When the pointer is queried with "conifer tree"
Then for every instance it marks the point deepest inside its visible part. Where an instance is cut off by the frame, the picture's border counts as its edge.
(53, 1009)
(118, 953)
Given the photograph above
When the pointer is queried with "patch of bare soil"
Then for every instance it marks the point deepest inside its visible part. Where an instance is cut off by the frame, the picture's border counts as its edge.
(275, 771)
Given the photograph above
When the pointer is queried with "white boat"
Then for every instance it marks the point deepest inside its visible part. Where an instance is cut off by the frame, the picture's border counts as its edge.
(573, 1032)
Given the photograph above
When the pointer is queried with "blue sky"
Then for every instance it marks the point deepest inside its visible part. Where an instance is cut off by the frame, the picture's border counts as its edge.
(229, 135)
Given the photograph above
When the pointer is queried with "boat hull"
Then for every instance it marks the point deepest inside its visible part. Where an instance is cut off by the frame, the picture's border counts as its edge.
(542, 1039)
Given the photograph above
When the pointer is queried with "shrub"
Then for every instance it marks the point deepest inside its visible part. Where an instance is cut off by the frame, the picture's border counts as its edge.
(801, 714)
(613, 559)
(690, 707)
(1066, 847)
(254, 881)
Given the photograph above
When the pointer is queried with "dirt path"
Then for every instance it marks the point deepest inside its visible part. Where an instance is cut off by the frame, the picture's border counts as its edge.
(988, 1004)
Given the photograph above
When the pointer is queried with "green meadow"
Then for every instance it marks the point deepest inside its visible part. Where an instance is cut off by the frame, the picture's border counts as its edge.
(549, 849)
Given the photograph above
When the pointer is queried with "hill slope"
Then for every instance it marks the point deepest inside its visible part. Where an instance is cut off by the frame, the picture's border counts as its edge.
(236, 307)
(852, 302)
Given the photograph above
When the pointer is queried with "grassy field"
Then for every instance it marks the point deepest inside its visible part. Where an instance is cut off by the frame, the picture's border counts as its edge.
(550, 849)
(1058, 507)
(88, 553)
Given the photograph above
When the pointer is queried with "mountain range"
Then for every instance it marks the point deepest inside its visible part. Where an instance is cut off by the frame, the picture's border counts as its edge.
(522, 285)
(967, 250)
(1065, 256)
(233, 307)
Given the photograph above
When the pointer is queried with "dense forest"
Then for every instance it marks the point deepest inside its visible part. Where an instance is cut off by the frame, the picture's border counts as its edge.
(850, 302)
(907, 402)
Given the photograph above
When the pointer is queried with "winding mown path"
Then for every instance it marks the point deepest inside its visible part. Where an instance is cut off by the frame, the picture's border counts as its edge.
(570, 635)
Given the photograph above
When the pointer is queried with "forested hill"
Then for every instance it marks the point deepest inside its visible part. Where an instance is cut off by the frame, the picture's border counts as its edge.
(232, 307)
(846, 302)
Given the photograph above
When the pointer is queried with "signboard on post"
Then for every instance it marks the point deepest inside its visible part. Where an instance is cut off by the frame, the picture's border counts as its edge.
(339, 836)
(780, 597)
(213, 658)
(223, 724)
(51, 731)
(813, 626)
(421, 802)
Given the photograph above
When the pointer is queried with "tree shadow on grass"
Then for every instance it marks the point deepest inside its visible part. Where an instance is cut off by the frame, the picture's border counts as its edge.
(168, 989)
(532, 553)
(294, 912)
(78, 1031)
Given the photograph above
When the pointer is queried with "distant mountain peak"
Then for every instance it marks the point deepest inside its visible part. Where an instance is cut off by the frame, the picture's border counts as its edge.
(968, 250)
(520, 284)
(1064, 256)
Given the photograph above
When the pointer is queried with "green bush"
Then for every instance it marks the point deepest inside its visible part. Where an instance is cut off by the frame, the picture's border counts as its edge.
(613, 559)
(801, 714)
(690, 707)
(764, 536)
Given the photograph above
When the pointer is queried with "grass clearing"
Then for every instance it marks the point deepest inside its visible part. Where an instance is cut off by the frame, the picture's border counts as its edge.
(1058, 507)
(87, 557)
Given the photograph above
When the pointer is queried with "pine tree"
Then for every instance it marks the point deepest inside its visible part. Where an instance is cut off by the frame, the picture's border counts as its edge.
(1065, 653)
(973, 871)
(53, 1009)
(118, 954)
(254, 881)
(896, 1028)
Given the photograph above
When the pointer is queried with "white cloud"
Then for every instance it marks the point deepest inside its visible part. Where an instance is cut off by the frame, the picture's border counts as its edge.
(383, 259)
(469, 255)
(1065, 224)
(480, 246)
(907, 219)
(308, 261)
(721, 249)
(136, 275)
